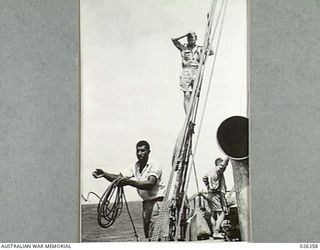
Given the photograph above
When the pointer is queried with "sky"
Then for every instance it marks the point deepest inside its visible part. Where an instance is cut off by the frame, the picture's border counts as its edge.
(130, 83)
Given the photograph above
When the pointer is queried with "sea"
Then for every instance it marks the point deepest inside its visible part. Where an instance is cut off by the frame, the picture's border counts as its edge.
(120, 231)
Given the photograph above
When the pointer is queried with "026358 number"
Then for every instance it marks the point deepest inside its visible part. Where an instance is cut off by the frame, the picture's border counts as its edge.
(309, 245)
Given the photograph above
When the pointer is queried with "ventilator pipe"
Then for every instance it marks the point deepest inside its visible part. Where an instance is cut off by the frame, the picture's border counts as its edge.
(232, 136)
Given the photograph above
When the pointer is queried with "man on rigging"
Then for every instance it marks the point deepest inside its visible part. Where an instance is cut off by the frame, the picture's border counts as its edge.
(190, 55)
(215, 182)
(146, 176)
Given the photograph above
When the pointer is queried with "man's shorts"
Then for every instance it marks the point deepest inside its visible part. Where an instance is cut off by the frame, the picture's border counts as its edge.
(187, 79)
(217, 201)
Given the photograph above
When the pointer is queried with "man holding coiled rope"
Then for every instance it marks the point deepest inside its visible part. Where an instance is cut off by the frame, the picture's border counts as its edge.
(146, 176)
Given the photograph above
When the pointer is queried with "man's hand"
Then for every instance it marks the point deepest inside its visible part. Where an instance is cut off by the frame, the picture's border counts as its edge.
(98, 173)
(210, 50)
(124, 181)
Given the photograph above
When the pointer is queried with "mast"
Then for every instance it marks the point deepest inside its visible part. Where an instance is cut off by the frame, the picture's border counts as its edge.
(173, 213)
(182, 159)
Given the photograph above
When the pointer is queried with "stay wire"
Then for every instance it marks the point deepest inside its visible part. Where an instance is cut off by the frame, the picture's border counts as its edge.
(223, 7)
(194, 107)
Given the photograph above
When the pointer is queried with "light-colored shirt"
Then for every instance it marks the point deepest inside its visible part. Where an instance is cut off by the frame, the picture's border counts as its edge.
(151, 169)
(191, 57)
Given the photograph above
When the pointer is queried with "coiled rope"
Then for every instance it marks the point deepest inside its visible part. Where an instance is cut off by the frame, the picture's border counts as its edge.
(110, 205)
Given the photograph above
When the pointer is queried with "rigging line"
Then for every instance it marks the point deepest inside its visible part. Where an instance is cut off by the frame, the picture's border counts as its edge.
(196, 108)
(195, 97)
(182, 204)
(204, 55)
(223, 6)
(191, 112)
(156, 233)
(207, 93)
(202, 60)
(183, 133)
(178, 232)
(194, 101)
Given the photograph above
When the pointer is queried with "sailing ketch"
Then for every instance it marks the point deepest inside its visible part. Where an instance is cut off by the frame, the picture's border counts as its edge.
(183, 158)
(173, 220)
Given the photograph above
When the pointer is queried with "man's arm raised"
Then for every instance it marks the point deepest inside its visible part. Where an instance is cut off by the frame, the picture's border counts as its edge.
(177, 43)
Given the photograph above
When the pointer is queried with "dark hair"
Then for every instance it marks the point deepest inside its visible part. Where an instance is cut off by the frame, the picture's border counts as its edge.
(217, 161)
(143, 143)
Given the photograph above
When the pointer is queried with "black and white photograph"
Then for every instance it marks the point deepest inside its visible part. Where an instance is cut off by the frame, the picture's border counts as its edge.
(164, 121)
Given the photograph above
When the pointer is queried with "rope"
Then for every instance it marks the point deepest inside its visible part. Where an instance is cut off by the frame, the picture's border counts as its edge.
(109, 211)
(223, 7)
(212, 69)
(195, 104)
(208, 88)
(163, 210)
(192, 111)
(87, 199)
(185, 137)
(131, 220)
(191, 114)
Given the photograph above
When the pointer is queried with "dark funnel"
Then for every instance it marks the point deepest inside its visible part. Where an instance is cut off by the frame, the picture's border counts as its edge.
(232, 136)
